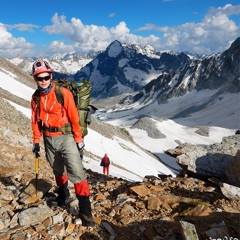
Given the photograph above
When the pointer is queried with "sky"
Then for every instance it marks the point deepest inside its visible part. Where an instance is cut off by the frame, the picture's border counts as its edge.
(128, 161)
(46, 27)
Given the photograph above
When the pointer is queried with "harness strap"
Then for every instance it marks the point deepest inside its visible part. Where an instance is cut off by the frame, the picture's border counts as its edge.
(66, 129)
(84, 109)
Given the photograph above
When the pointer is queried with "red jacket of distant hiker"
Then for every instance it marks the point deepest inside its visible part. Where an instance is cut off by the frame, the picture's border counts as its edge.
(53, 114)
(105, 161)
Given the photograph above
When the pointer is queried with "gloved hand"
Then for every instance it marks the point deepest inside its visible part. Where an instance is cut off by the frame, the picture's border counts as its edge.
(36, 148)
(80, 146)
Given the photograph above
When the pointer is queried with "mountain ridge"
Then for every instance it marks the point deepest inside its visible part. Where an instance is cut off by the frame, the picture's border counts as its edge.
(129, 75)
(110, 68)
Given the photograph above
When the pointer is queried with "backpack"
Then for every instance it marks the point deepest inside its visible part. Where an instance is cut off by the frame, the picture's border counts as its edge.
(105, 162)
(81, 93)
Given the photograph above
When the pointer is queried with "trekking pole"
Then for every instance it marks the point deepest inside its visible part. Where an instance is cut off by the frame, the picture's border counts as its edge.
(37, 155)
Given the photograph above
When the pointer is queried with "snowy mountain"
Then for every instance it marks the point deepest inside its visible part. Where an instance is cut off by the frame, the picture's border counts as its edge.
(124, 68)
(143, 72)
(64, 65)
(167, 85)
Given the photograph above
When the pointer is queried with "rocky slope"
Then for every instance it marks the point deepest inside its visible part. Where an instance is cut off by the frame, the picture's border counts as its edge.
(160, 207)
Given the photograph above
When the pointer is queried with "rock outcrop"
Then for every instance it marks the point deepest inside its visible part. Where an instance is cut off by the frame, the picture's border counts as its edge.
(219, 162)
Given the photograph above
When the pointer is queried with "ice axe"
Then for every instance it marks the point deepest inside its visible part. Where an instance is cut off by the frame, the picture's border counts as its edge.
(81, 154)
(37, 155)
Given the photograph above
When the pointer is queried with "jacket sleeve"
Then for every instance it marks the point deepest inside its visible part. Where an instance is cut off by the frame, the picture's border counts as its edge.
(36, 126)
(72, 114)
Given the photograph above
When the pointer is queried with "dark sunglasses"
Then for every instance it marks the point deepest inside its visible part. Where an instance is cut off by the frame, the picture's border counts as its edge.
(40, 79)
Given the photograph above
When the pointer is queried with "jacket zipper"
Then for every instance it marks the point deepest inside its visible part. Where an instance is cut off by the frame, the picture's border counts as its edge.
(47, 111)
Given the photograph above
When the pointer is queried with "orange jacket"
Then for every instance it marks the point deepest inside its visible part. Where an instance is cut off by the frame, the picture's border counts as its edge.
(53, 114)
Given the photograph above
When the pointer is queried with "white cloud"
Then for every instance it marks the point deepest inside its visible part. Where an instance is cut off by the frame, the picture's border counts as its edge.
(60, 47)
(59, 26)
(228, 10)
(112, 15)
(213, 34)
(88, 37)
(120, 29)
(22, 27)
(83, 37)
(11, 46)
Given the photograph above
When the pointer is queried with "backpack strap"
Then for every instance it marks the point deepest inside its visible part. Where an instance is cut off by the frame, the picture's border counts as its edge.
(59, 95)
(66, 129)
(36, 99)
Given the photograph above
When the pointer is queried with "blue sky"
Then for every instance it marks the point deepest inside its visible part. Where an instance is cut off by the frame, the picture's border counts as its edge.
(46, 27)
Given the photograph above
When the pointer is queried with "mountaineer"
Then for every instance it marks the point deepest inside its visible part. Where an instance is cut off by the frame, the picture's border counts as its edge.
(62, 147)
(105, 162)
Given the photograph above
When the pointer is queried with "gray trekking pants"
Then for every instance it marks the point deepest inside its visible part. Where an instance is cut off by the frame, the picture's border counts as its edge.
(64, 158)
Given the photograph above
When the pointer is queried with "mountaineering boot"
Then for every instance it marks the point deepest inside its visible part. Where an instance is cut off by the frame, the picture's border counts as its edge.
(63, 195)
(85, 212)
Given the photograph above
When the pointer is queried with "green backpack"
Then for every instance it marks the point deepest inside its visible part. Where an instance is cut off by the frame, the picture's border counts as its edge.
(81, 93)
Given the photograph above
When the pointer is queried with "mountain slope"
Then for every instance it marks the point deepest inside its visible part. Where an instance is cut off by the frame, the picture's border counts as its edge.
(206, 92)
(102, 137)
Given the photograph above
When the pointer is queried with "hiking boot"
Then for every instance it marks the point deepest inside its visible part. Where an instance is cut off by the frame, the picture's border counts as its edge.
(85, 211)
(63, 195)
(63, 202)
(87, 221)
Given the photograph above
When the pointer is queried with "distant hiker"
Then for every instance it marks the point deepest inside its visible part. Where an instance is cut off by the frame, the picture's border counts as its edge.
(62, 147)
(105, 162)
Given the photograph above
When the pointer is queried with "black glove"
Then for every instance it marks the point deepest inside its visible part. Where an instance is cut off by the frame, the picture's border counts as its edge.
(36, 148)
(80, 146)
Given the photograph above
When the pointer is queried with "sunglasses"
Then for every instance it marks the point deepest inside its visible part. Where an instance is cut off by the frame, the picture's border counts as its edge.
(40, 79)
